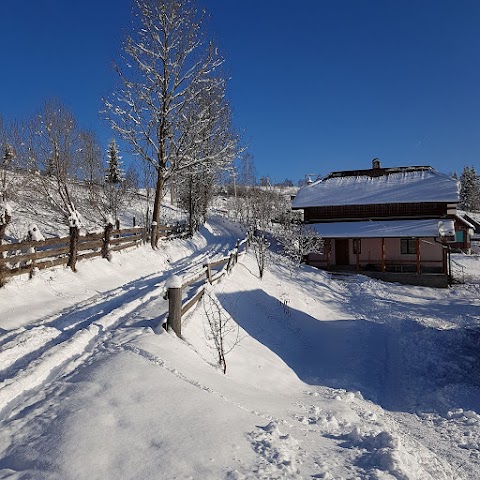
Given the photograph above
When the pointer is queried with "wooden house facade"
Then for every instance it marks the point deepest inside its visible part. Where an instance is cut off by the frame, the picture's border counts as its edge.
(391, 223)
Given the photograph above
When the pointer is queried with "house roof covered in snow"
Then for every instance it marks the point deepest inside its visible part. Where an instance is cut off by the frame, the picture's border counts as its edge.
(415, 184)
(425, 228)
(472, 218)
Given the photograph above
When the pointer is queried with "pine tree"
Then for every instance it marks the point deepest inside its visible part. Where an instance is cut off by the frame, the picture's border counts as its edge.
(114, 173)
(469, 189)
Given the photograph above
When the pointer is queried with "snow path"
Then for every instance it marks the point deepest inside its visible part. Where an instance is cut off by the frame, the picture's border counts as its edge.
(41, 351)
(23, 344)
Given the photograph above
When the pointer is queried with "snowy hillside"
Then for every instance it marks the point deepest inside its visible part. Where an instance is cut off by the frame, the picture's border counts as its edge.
(330, 378)
(29, 206)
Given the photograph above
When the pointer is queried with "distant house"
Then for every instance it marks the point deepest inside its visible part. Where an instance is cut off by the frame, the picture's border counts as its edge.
(473, 218)
(392, 223)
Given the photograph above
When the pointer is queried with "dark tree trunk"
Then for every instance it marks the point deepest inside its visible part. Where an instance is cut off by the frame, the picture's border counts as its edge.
(157, 207)
(190, 206)
(72, 261)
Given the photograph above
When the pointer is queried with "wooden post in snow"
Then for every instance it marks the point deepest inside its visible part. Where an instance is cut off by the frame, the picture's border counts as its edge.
(444, 259)
(237, 246)
(418, 255)
(106, 241)
(174, 286)
(383, 255)
(356, 241)
(209, 273)
(329, 250)
(3, 228)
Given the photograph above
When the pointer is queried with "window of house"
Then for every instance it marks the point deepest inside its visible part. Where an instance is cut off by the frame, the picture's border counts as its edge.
(357, 246)
(459, 236)
(408, 245)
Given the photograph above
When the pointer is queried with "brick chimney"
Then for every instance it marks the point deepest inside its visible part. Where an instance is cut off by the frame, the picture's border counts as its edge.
(375, 163)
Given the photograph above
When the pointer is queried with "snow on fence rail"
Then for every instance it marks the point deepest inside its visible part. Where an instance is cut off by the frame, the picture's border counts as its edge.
(27, 256)
(211, 273)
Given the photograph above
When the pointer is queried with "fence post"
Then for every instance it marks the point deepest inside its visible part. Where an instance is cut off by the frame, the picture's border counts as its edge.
(3, 270)
(230, 262)
(174, 287)
(106, 241)
(6, 219)
(32, 264)
(209, 273)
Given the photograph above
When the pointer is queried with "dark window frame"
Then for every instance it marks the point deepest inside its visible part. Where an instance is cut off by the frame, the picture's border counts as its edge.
(357, 242)
(408, 246)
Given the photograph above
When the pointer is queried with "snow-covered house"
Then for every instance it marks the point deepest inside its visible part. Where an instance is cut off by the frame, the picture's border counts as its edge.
(391, 223)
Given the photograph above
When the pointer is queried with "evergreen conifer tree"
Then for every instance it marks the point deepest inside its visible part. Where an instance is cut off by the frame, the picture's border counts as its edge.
(114, 173)
(469, 189)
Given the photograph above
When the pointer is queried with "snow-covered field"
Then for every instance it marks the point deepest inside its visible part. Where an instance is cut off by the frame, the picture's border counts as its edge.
(331, 378)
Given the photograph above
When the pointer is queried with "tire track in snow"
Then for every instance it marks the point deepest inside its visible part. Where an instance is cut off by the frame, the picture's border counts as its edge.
(49, 364)
(25, 344)
(79, 330)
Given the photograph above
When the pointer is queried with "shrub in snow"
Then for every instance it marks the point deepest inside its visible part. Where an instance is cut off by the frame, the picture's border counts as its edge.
(299, 240)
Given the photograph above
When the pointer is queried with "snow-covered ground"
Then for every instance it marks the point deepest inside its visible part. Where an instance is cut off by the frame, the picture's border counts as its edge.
(330, 378)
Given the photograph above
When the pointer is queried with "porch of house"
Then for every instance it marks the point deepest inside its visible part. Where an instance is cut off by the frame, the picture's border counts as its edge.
(412, 261)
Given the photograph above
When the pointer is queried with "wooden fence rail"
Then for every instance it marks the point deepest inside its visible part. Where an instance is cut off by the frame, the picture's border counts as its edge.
(27, 256)
(177, 308)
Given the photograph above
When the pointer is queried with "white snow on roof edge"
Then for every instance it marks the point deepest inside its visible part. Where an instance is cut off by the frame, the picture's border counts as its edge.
(426, 228)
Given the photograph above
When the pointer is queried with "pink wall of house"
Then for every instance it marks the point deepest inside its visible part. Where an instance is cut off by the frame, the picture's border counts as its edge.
(371, 252)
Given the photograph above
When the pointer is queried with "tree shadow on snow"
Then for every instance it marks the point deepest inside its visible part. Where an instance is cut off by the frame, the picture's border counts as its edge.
(359, 355)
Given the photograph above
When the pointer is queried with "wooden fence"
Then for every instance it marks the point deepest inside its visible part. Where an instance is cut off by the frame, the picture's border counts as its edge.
(27, 256)
(211, 273)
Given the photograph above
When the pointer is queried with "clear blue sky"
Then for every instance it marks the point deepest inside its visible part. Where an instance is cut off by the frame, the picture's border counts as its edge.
(316, 85)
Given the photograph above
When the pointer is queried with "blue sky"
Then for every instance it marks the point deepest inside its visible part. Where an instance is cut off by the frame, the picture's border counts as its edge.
(315, 85)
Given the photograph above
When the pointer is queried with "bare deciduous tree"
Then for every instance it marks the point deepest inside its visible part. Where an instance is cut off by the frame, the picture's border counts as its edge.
(169, 66)
(261, 250)
(213, 149)
(246, 170)
(90, 158)
(55, 147)
(221, 330)
(11, 149)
